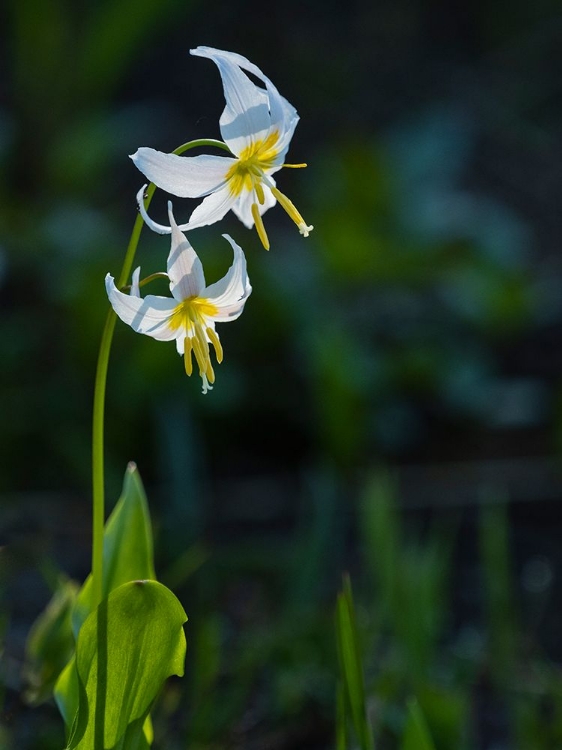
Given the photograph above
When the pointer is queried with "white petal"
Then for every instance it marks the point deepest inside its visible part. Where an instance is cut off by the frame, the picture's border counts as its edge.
(283, 116)
(184, 176)
(243, 206)
(184, 267)
(230, 293)
(211, 209)
(150, 315)
(159, 228)
(135, 288)
(246, 117)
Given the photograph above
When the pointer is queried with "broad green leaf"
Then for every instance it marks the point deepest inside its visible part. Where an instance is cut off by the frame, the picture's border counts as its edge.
(351, 666)
(416, 734)
(66, 694)
(125, 651)
(127, 546)
(50, 643)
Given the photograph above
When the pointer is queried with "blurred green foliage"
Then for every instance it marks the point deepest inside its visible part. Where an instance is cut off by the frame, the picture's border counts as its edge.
(419, 322)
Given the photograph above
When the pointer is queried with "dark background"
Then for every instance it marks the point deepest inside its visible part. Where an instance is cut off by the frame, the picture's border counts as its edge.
(417, 334)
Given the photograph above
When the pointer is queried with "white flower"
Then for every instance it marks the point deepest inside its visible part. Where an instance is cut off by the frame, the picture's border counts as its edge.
(189, 316)
(257, 126)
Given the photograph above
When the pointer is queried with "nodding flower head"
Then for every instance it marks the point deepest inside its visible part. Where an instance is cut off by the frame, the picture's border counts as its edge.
(188, 317)
(257, 125)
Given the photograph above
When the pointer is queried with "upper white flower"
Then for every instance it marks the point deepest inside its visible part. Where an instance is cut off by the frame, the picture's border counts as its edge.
(257, 126)
(189, 316)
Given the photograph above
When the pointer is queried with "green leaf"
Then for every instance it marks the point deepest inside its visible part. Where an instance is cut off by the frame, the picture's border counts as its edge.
(127, 556)
(125, 651)
(66, 692)
(127, 546)
(416, 734)
(50, 643)
(351, 666)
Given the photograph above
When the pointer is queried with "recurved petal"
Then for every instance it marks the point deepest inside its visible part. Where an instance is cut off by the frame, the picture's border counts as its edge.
(184, 176)
(230, 293)
(283, 116)
(246, 117)
(135, 286)
(211, 209)
(184, 267)
(149, 315)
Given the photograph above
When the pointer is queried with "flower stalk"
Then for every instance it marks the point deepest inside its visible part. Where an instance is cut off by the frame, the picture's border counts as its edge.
(98, 421)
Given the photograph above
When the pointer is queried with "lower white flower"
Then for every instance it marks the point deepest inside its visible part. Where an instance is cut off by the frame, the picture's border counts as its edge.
(190, 314)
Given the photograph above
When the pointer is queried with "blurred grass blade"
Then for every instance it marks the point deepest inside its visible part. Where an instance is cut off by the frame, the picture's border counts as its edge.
(381, 538)
(341, 719)
(416, 734)
(351, 665)
(498, 584)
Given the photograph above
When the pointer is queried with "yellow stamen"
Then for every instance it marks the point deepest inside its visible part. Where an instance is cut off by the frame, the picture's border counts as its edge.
(291, 209)
(187, 348)
(190, 317)
(294, 166)
(251, 164)
(216, 343)
(198, 354)
(259, 192)
(259, 226)
(202, 339)
(190, 311)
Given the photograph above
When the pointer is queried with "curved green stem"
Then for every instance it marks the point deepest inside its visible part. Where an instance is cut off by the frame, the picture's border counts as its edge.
(100, 387)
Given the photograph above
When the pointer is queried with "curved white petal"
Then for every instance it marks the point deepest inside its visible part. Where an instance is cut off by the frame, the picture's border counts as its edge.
(184, 267)
(150, 315)
(243, 206)
(135, 287)
(230, 293)
(246, 117)
(150, 223)
(283, 116)
(211, 209)
(184, 176)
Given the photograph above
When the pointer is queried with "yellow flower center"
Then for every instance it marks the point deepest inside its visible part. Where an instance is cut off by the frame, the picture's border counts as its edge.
(189, 317)
(253, 160)
(248, 174)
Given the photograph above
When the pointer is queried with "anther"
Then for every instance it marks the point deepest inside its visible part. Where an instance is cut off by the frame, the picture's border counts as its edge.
(259, 192)
(259, 226)
(187, 348)
(216, 343)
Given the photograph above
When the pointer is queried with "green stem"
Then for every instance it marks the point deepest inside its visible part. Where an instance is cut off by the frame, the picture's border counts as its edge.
(100, 387)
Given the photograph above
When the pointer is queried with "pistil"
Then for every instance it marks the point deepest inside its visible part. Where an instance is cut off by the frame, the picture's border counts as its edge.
(293, 212)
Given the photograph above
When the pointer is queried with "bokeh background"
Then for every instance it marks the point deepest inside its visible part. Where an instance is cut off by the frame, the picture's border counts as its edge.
(390, 401)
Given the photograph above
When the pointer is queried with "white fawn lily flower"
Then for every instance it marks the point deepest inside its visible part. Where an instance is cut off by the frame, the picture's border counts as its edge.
(190, 314)
(257, 125)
